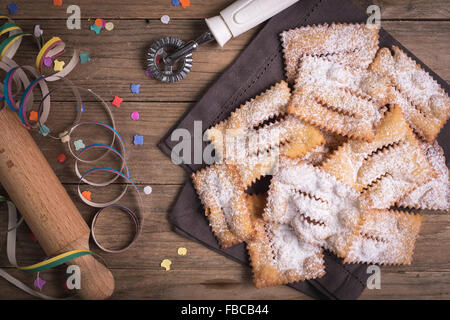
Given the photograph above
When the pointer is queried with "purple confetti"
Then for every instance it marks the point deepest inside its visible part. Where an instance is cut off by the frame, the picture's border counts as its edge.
(48, 62)
(39, 283)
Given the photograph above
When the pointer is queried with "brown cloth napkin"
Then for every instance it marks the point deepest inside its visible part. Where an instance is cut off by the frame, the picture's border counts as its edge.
(258, 67)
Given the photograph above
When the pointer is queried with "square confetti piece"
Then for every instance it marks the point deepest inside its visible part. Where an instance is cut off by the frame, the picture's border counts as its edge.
(185, 3)
(138, 140)
(87, 195)
(117, 101)
(135, 88)
(57, 3)
(12, 8)
(84, 57)
(33, 116)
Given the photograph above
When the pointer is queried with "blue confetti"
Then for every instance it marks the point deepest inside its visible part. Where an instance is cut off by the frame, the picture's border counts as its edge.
(176, 3)
(135, 88)
(44, 130)
(79, 145)
(96, 29)
(82, 108)
(138, 140)
(12, 8)
(84, 57)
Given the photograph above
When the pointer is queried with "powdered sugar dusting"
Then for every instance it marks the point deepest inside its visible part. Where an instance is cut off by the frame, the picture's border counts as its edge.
(342, 99)
(222, 194)
(385, 237)
(290, 253)
(390, 174)
(435, 194)
(335, 40)
(425, 103)
(319, 207)
(271, 103)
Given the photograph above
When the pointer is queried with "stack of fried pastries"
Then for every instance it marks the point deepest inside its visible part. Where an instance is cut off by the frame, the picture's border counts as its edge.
(351, 149)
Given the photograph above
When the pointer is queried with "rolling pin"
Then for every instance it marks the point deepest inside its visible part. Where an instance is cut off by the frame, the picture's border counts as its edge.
(45, 205)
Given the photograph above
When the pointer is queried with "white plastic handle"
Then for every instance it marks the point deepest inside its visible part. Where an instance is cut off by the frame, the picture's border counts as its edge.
(244, 15)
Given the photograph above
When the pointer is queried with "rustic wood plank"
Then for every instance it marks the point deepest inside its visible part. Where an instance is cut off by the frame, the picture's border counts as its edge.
(158, 239)
(210, 275)
(147, 163)
(42, 9)
(117, 61)
(229, 284)
(118, 56)
(409, 9)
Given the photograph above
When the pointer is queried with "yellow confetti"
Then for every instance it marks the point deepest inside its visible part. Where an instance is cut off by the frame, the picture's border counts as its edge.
(58, 65)
(182, 251)
(166, 264)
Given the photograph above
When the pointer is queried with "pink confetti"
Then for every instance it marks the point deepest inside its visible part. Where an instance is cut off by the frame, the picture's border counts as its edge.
(135, 115)
(48, 62)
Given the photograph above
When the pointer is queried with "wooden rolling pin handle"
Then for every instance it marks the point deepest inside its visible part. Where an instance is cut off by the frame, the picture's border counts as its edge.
(45, 205)
(97, 282)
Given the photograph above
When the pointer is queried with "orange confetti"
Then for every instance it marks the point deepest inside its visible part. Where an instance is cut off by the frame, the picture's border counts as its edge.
(57, 3)
(33, 116)
(86, 195)
(98, 22)
(185, 3)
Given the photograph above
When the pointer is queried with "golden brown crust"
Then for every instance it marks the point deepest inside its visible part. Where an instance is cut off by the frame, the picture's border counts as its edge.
(385, 169)
(254, 112)
(385, 237)
(222, 194)
(435, 194)
(289, 137)
(352, 44)
(425, 104)
(274, 264)
(338, 98)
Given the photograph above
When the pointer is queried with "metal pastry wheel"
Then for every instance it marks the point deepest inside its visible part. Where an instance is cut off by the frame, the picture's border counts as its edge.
(164, 69)
(170, 59)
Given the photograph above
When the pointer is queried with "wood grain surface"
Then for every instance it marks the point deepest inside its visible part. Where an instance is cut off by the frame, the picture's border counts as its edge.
(117, 61)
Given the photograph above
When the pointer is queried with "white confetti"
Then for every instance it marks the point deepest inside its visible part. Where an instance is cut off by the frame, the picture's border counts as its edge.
(148, 190)
(165, 19)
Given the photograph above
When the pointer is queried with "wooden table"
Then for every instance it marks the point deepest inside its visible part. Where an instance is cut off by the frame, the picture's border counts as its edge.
(117, 61)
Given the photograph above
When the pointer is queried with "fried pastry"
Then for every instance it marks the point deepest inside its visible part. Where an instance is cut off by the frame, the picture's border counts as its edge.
(385, 237)
(425, 104)
(278, 257)
(266, 106)
(222, 194)
(322, 210)
(253, 146)
(387, 168)
(352, 44)
(433, 195)
(338, 98)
